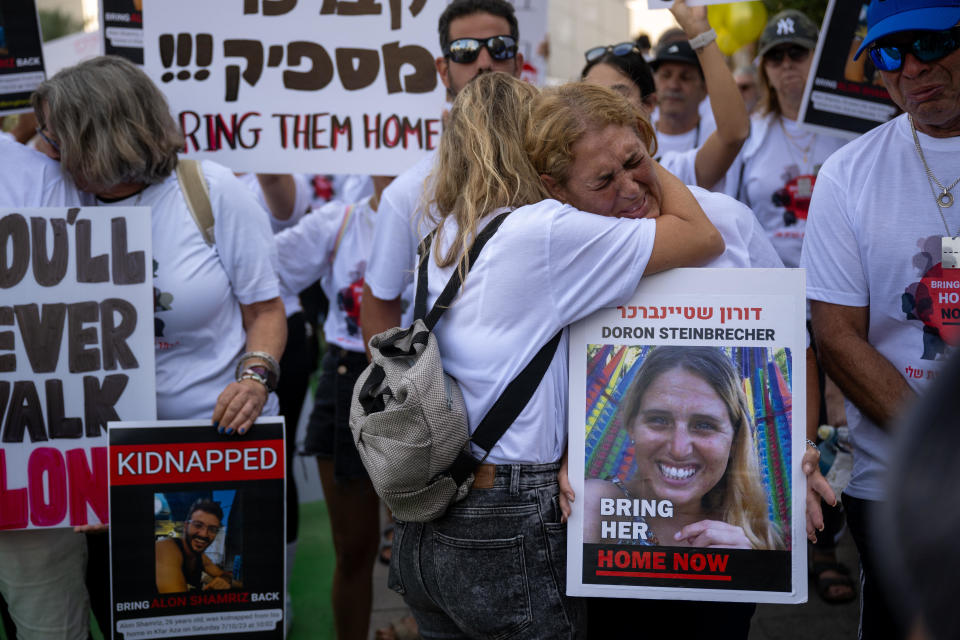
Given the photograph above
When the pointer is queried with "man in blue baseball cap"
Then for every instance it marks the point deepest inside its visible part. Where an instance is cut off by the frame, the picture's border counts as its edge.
(881, 253)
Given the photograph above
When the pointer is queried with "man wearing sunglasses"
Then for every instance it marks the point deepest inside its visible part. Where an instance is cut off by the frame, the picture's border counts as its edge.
(181, 562)
(880, 258)
(476, 36)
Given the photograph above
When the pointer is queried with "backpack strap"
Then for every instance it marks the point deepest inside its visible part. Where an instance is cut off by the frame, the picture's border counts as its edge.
(195, 192)
(343, 229)
(449, 292)
(505, 410)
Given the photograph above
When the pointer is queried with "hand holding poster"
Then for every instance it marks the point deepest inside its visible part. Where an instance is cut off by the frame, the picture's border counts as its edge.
(76, 351)
(288, 86)
(681, 433)
(197, 534)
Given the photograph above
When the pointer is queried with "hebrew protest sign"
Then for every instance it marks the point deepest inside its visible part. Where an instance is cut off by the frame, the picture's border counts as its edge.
(683, 430)
(843, 96)
(76, 351)
(21, 55)
(293, 86)
(197, 530)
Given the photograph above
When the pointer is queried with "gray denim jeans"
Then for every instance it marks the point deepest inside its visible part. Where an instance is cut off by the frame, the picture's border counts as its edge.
(494, 566)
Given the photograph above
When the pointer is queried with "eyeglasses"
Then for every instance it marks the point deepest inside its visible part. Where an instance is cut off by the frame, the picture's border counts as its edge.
(212, 529)
(621, 49)
(794, 52)
(466, 50)
(45, 138)
(927, 47)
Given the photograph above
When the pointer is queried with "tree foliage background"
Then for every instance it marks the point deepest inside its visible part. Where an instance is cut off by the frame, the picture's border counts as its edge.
(813, 8)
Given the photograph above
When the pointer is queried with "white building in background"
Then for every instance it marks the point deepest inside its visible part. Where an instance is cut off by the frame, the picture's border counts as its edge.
(578, 25)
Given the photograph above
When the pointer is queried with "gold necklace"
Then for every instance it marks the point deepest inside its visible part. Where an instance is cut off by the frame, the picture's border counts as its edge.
(793, 142)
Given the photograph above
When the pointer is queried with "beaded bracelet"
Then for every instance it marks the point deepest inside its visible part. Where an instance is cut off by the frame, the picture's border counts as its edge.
(811, 443)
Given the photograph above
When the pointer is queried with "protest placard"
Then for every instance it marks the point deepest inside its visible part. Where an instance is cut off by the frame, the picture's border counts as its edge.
(21, 54)
(843, 96)
(121, 25)
(532, 22)
(683, 430)
(76, 351)
(70, 50)
(197, 530)
(286, 86)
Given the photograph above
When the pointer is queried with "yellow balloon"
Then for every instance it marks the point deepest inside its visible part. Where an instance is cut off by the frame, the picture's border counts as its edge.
(717, 15)
(727, 42)
(745, 20)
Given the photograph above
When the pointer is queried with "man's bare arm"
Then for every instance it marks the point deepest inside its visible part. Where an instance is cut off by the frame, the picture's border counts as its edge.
(377, 315)
(865, 376)
(170, 578)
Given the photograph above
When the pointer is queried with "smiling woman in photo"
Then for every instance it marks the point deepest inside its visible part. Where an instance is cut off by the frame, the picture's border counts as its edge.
(694, 444)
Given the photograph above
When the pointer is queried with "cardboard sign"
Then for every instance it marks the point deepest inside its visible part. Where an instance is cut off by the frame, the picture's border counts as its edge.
(843, 96)
(121, 23)
(532, 23)
(682, 433)
(284, 86)
(198, 530)
(21, 55)
(76, 351)
(70, 50)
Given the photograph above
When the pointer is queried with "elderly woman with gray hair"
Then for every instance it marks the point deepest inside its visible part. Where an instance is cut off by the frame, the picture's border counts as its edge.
(219, 326)
(219, 323)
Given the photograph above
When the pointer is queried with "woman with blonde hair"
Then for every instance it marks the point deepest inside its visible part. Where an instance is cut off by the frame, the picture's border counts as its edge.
(695, 447)
(494, 564)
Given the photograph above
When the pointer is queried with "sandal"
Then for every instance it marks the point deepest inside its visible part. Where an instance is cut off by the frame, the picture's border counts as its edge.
(400, 629)
(386, 545)
(826, 585)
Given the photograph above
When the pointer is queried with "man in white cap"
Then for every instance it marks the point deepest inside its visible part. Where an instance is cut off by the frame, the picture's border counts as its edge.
(881, 254)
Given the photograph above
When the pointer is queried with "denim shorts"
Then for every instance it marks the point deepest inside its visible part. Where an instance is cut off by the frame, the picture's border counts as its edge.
(494, 566)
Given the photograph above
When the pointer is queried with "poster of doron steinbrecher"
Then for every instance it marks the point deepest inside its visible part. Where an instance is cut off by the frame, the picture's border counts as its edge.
(686, 423)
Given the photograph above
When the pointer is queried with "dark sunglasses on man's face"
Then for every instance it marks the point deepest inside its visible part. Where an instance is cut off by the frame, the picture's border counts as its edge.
(794, 52)
(621, 49)
(466, 50)
(927, 47)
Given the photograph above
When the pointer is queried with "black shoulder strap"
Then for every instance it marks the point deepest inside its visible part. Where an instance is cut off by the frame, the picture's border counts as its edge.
(506, 409)
(453, 285)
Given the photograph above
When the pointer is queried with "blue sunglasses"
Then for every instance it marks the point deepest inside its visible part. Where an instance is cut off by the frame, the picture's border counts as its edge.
(927, 47)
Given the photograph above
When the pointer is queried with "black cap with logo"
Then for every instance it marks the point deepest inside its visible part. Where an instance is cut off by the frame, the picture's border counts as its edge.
(675, 51)
(788, 27)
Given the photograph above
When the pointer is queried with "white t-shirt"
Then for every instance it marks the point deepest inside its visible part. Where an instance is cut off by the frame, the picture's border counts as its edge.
(547, 266)
(398, 232)
(692, 139)
(873, 239)
(304, 192)
(746, 242)
(30, 179)
(305, 251)
(197, 289)
(682, 164)
(776, 166)
(352, 187)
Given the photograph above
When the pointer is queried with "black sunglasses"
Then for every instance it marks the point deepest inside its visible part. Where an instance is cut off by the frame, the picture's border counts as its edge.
(466, 50)
(621, 49)
(794, 52)
(926, 48)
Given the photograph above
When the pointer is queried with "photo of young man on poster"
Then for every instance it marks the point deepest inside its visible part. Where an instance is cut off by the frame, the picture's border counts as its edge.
(182, 562)
(697, 479)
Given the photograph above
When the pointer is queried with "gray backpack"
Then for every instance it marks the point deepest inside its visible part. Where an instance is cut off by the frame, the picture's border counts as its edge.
(408, 417)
